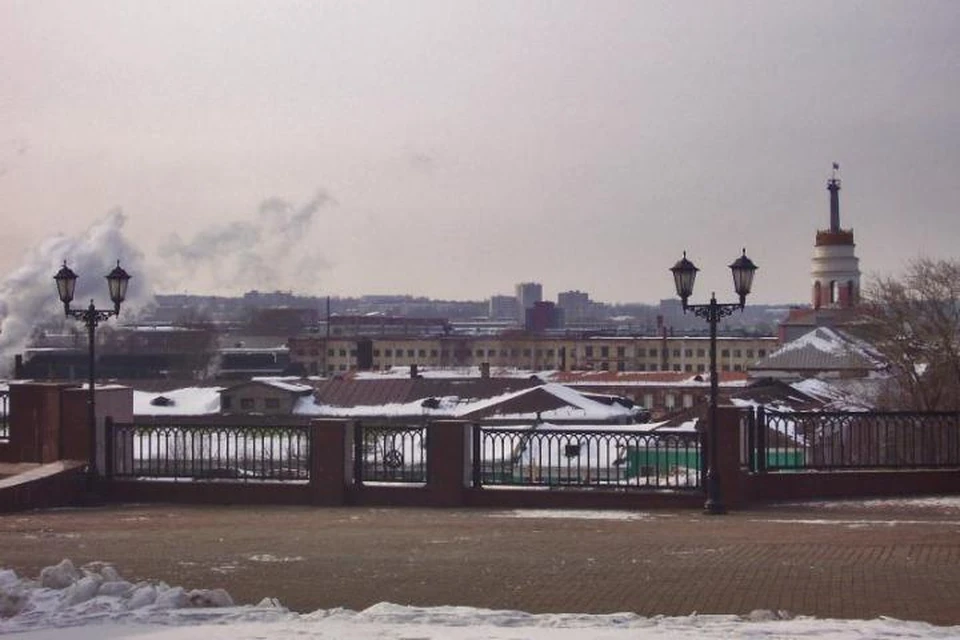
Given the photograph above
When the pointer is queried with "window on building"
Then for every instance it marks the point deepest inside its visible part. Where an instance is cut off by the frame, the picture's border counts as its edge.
(737, 367)
(653, 366)
(701, 368)
(761, 353)
(479, 353)
(504, 353)
(271, 403)
(225, 402)
(422, 353)
(725, 353)
(343, 353)
(588, 351)
(409, 353)
(514, 353)
(526, 353)
(376, 353)
(749, 353)
(388, 353)
(342, 367)
(539, 353)
(676, 353)
(641, 367)
(353, 353)
(737, 353)
(621, 351)
(652, 353)
(246, 404)
(687, 401)
(330, 352)
(604, 366)
(688, 367)
(549, 353)
(669, 401)
(433, 353)
(701, 353)
(621, 365)
(604, 352)
(688, 353)
(676, 367)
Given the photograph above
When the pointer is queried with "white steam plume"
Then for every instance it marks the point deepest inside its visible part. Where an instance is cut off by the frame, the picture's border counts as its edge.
(28, 296)
(271, 251)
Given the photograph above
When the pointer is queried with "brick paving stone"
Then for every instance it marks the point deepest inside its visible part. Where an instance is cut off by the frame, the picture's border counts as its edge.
(851, 563)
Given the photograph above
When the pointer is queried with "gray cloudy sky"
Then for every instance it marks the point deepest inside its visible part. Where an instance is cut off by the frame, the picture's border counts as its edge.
(452, 148)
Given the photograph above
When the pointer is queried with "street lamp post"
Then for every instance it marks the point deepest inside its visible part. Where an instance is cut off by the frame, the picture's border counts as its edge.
(91, 316)
(684, 274)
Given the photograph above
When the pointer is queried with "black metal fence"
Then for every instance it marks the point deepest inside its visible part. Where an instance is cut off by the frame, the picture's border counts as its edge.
(389, 453)
(207, 452)
(587, 458)
(4, 415)
(835, 441)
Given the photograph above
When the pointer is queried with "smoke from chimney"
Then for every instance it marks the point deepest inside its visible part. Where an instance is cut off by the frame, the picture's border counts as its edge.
(28, 296)
(270, 252)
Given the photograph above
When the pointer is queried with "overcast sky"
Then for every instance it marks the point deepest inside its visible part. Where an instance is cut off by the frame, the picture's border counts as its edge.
(453, 148)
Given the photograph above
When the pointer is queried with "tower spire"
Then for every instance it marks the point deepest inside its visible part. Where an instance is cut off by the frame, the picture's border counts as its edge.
(833, 186)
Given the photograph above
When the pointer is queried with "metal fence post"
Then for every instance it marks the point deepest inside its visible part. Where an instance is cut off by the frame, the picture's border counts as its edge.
(108, 446)
(476, 455)
(760, 425)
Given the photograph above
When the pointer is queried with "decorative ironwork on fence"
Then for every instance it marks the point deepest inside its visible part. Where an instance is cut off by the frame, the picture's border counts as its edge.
(620, 459)
(205, 452)
(4, 415)
(390, 453)
(834, 441)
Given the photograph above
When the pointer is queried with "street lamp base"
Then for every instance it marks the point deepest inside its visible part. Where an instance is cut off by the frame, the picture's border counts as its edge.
(714, 508)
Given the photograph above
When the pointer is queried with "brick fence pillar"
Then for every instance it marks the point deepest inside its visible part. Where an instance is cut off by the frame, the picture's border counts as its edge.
(728, 456)
(447, 462)
(329, 456)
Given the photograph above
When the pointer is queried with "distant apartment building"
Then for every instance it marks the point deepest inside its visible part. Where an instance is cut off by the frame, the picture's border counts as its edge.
(528, 293)
(503, 308)
(543, 316)
(318, 355)
(575, 305)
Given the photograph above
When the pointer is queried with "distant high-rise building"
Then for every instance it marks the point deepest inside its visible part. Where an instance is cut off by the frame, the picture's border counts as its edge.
(528, 294)
(575, 305)
(503, 308)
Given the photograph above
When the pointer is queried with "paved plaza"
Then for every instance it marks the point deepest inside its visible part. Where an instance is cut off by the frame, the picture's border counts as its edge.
(844, 561)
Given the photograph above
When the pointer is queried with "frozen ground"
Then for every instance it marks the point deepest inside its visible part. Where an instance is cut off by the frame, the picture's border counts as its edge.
(94, 602)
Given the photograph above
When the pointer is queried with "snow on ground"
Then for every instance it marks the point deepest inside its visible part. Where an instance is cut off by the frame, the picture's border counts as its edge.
(943, 504)
(95, 603)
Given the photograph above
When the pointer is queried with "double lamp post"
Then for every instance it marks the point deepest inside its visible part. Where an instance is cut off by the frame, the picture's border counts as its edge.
(684, 274)
(91, 316)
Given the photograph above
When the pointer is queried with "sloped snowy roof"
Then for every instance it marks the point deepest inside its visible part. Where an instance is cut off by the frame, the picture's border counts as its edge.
(823, 349)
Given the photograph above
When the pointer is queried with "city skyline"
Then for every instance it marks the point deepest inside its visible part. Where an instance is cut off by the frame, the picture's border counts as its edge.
(452, 151)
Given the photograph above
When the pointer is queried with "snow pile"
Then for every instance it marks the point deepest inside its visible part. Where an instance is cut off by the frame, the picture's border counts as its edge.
(65, 595)
(94, 602)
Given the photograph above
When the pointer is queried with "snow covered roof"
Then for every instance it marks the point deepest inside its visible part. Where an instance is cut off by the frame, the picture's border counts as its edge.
(646, 378)
(292, 385)
(190, 401)
(549, 401)
(823, 349)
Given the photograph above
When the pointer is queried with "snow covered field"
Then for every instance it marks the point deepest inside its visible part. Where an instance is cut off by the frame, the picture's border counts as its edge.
(94, 602)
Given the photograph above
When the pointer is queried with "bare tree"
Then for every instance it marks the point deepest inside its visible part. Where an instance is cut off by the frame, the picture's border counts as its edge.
(914, 322)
